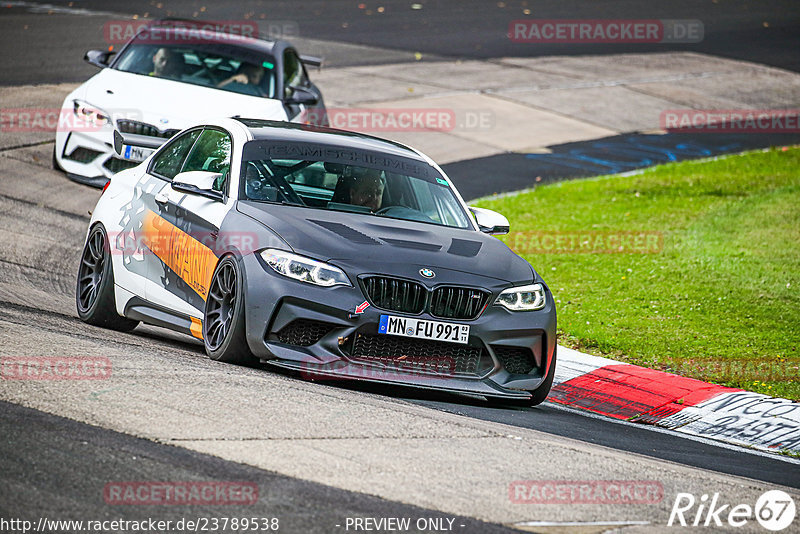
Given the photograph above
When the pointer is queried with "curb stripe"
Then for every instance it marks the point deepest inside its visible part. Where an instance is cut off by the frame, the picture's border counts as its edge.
(640, 395)
(630, 392)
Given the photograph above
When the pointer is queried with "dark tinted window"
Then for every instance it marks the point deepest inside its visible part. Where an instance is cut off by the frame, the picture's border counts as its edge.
(170, 160)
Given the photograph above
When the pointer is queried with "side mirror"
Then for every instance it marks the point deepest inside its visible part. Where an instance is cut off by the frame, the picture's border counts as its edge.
(98, 58)
(303, 96)
(490, 222)
(198, 183)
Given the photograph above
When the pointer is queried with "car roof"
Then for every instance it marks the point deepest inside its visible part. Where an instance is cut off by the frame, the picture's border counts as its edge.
(262, 129)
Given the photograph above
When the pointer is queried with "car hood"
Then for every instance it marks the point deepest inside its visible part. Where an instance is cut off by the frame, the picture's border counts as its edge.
(170, 104)
(367, 244)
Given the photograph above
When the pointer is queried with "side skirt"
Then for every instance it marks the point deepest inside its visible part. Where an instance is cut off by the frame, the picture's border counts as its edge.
(141, 310)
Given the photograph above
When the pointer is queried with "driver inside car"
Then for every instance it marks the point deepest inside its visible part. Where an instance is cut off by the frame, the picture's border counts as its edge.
(166, 64)
(248, 79)
(366, 188)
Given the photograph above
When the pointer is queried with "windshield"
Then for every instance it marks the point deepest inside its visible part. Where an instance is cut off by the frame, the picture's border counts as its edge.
(371, 189)
(206, 65)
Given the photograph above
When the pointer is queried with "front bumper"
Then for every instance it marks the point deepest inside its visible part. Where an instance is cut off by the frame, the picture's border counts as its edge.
(88, 157)
(317, 332)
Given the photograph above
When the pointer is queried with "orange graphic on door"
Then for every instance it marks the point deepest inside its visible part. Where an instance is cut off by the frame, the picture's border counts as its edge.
(183, 254)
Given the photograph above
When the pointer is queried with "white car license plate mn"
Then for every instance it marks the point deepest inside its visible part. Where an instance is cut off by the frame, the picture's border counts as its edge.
(422, 328)
(136, 153)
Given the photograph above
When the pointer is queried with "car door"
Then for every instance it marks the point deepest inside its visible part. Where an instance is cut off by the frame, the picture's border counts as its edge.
(135, 257)
(187, 226)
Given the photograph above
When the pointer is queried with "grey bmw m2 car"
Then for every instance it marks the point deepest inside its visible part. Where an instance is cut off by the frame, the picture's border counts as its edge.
(328, 252)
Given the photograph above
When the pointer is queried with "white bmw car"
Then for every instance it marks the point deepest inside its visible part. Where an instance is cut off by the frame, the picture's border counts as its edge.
(152, 89)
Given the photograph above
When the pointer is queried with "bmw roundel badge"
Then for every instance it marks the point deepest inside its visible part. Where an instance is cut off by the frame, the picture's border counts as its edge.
(427, 273)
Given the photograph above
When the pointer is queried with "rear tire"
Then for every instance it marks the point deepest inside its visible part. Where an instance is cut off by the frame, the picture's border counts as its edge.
(224, 331)
(94, 291)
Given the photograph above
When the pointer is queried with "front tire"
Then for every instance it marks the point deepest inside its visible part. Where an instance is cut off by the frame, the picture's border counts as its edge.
(94, 291)
(224, 324)
(56, 166)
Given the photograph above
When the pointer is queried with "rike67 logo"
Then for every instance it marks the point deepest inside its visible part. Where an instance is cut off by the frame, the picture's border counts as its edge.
(775, 511)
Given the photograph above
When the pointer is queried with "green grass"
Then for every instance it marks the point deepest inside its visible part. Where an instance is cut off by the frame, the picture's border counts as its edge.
(719, 302)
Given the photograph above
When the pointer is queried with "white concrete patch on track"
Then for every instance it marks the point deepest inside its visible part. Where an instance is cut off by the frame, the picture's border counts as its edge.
(533, 103)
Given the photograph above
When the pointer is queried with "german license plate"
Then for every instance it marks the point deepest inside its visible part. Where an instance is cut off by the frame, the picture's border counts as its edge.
(136, 153)
(424, 329)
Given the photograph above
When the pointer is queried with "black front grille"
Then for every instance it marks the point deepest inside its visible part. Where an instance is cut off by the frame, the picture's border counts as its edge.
(304, 332)
(83, 154)
(393, 294)
(516, 360)
(142, 128)
(117, 165)
(436, 357)
(458, 302)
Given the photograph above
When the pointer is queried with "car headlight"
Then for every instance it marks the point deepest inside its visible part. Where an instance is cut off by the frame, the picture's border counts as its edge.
(304, 269)
(523, 298)
(90, 114)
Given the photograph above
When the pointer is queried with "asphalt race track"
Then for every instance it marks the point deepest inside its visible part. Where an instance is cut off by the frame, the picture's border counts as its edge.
(319, 453)
(71, 451)
(763, 32)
